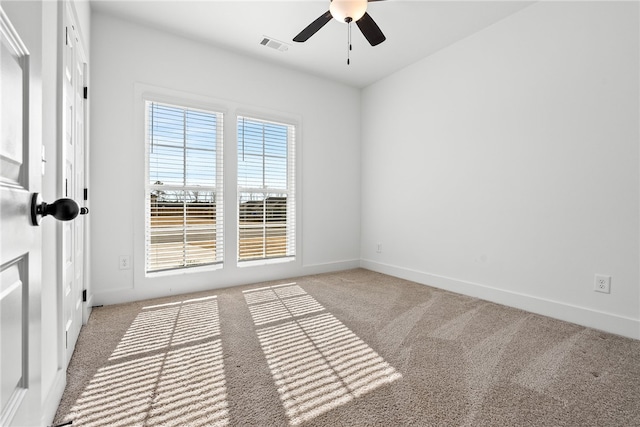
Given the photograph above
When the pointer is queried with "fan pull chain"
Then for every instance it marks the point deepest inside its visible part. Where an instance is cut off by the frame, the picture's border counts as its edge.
(349, 20)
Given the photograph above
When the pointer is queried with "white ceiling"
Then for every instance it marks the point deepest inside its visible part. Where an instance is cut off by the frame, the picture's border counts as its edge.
(414, 29)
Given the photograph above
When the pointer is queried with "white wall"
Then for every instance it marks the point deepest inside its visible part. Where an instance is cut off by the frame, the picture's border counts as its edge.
(506, 166)
(82, 13)
(127, 57)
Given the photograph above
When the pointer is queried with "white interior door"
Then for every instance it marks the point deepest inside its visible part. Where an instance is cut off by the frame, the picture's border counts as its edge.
(20, 241)
(73, 155)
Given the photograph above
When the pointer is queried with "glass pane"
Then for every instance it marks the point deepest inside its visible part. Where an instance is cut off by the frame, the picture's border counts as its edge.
(276, 173)
(250, 171)
(262, 225)
(182, 229)
(251, 242)
(276, 210)
(166, 165)
(200, 246)
(262, 154)
(275, 140)
(276, 240)
(200, 168)
(201, 128)
(182, 142)
(166, 233)
(166, 125)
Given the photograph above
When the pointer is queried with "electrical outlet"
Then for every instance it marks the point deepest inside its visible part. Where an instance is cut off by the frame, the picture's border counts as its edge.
(602, 284)
(125, 262)
(379, 248)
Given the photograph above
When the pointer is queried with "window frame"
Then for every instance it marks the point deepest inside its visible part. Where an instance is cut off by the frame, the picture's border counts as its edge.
(218, 188)
(293, 178)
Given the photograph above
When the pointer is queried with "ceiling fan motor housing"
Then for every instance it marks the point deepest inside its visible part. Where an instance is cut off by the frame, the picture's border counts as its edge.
(348, 10)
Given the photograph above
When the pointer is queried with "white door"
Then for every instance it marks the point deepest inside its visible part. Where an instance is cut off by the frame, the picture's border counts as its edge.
(20, 241)
(73, 154)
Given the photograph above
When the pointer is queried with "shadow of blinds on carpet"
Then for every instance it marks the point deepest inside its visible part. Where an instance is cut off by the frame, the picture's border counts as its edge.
(317, 363)
(166, 370)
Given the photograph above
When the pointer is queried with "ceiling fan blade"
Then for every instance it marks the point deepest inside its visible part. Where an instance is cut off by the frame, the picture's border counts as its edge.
(370, 30)
(313, 27)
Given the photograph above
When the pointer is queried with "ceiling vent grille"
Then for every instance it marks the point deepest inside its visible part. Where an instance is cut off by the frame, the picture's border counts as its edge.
(274, 44)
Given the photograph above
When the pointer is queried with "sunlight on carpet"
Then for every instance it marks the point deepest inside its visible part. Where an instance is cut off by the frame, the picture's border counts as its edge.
(317, 363)
(166, 370)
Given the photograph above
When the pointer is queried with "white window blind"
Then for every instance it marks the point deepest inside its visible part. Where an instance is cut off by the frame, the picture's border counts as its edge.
(184, 208)
(266, 190)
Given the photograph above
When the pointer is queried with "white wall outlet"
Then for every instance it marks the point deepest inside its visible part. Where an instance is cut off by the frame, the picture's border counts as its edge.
(379, 248)
(602, 284)
(125, 262)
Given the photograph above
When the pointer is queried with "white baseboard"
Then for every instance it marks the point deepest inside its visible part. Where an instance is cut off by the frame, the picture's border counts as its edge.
(608, 322)
(243, 277)
(329, 267)
(86, 309)
(54, 396)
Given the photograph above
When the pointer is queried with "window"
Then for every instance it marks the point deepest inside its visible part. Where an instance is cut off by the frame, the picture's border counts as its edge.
(266, 190)
(183, 187)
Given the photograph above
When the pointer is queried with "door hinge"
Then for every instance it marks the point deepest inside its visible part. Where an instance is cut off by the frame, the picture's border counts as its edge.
(86, 194)
(86, 92)
(84, 295)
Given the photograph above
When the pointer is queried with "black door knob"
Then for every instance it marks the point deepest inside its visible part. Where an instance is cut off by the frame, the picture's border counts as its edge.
(61, 209)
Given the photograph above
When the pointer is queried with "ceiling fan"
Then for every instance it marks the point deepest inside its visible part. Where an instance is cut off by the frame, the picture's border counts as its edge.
(346, 11)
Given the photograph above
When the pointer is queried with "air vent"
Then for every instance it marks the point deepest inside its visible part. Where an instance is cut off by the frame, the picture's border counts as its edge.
(274, 44)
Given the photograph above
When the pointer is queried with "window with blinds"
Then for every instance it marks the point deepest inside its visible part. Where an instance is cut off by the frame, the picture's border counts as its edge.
(184, 187)
(266, 190)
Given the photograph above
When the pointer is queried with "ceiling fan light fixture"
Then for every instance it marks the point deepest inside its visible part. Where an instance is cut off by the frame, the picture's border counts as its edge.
(343, 9)
(346, 11)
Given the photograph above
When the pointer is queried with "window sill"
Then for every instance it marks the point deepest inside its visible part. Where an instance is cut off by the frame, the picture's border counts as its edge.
(258, 262)
(183, 271)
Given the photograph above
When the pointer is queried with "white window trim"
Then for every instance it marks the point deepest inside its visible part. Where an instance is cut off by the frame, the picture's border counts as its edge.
(293, 176)
(136, 279)
(186, 103)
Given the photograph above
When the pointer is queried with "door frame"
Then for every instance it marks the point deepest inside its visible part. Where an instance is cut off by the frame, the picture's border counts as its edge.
(68, 18)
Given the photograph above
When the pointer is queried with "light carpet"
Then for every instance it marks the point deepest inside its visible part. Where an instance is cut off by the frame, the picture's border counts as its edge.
(353, 348)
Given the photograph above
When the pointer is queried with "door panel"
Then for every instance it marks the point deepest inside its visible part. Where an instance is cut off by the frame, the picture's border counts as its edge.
(73, 159)
(12, 364)
(78, 195)
(68, 272)
(19, 241)
(11, 108)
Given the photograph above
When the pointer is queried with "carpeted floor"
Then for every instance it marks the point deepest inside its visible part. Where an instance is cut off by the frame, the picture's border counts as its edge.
(353, 348)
